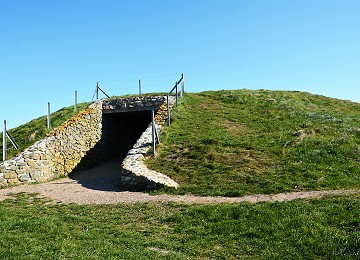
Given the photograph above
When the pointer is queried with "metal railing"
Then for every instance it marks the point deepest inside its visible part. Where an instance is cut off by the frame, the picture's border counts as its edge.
(7, 134)
(181, 80)
(155, 136)
(96, 93)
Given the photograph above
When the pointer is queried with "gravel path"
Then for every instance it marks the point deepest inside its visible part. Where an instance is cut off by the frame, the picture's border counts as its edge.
(101, 185)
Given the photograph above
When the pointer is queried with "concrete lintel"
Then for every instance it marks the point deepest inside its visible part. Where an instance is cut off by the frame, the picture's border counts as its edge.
(130, 109)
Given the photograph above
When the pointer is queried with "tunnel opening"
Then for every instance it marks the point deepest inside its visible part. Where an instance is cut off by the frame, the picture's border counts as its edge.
(120, 131)
(100, 169)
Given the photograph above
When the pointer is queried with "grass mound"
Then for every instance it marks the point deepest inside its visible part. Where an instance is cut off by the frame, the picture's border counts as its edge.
(27, 134)
(234, 143)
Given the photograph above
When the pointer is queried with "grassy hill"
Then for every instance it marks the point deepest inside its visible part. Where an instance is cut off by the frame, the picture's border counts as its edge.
(27, 134)
(234, 143)
(220, 143)
(241, 142)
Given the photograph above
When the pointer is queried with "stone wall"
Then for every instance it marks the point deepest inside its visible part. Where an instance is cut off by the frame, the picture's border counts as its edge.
(59, 153)
(135, 174)
(80, 142)
(131, 104)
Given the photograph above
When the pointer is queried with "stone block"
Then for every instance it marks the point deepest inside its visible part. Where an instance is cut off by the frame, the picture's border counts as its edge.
(46, 170)
(52, 163)
(6, 164)
(10, 175)
(20, 170)
(37, 156)
(24, 177)
(43, 179)
(59, 161)
(12, 181)
(21, 163)
(42, 144)
(45, 162)
(11, 167)
(68, 169)
(31, 163)
(35, 175)
(55, 175)
(28, 154)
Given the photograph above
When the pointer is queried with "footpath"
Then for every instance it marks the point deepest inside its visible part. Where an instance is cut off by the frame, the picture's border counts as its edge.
(101, 185)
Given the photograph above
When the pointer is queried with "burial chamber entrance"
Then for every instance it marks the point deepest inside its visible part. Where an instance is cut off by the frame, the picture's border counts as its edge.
(120, 131)
(123, 122)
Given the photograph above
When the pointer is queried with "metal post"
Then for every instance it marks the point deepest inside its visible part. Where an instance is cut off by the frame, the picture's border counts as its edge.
(168, 108)
(139, 86)
(4, 141)
(153, 131)
(182, 85)
(176, 93)
(75, 101)
(97, 90)
(48, 116)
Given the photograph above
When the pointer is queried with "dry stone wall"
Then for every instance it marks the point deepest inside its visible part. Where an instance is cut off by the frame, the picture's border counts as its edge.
(135, 173)
(59, 153)
(79, 141)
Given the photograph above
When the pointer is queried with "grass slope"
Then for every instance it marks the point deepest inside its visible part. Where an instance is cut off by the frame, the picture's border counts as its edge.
(27, 134)
(313, 229)
(241, 142)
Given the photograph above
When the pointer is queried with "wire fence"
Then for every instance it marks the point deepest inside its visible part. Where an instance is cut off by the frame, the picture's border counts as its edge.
(128, 86)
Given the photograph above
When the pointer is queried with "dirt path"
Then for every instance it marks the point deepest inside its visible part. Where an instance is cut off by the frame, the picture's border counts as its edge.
(101, 185)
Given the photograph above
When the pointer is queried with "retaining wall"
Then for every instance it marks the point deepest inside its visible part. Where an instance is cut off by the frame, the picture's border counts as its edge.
(135, 173)
(57, 154)
(79, 142)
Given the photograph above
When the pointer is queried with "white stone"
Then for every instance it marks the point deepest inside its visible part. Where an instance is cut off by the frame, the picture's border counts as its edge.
(134, 162)
(24, 177)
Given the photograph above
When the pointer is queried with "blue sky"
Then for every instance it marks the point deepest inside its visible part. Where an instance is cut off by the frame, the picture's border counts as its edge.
(51, 48)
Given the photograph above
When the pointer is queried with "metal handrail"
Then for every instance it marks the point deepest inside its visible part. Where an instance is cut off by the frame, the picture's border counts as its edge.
(176, 96)
(154, 132)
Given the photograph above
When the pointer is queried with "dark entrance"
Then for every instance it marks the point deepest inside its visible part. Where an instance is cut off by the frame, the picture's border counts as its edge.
(100, 169)
(120, 131)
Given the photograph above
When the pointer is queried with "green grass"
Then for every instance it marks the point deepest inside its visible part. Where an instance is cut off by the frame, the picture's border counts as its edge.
(35, 130)
(220, 143)
(241, 142)
(327, 228)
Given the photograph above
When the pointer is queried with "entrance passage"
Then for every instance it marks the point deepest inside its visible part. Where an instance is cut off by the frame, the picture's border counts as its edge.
(120, 131)
(100, 169)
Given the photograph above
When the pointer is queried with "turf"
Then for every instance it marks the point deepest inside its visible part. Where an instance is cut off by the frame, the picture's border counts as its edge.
(228, 143)
(240, 142)
(31, 228)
